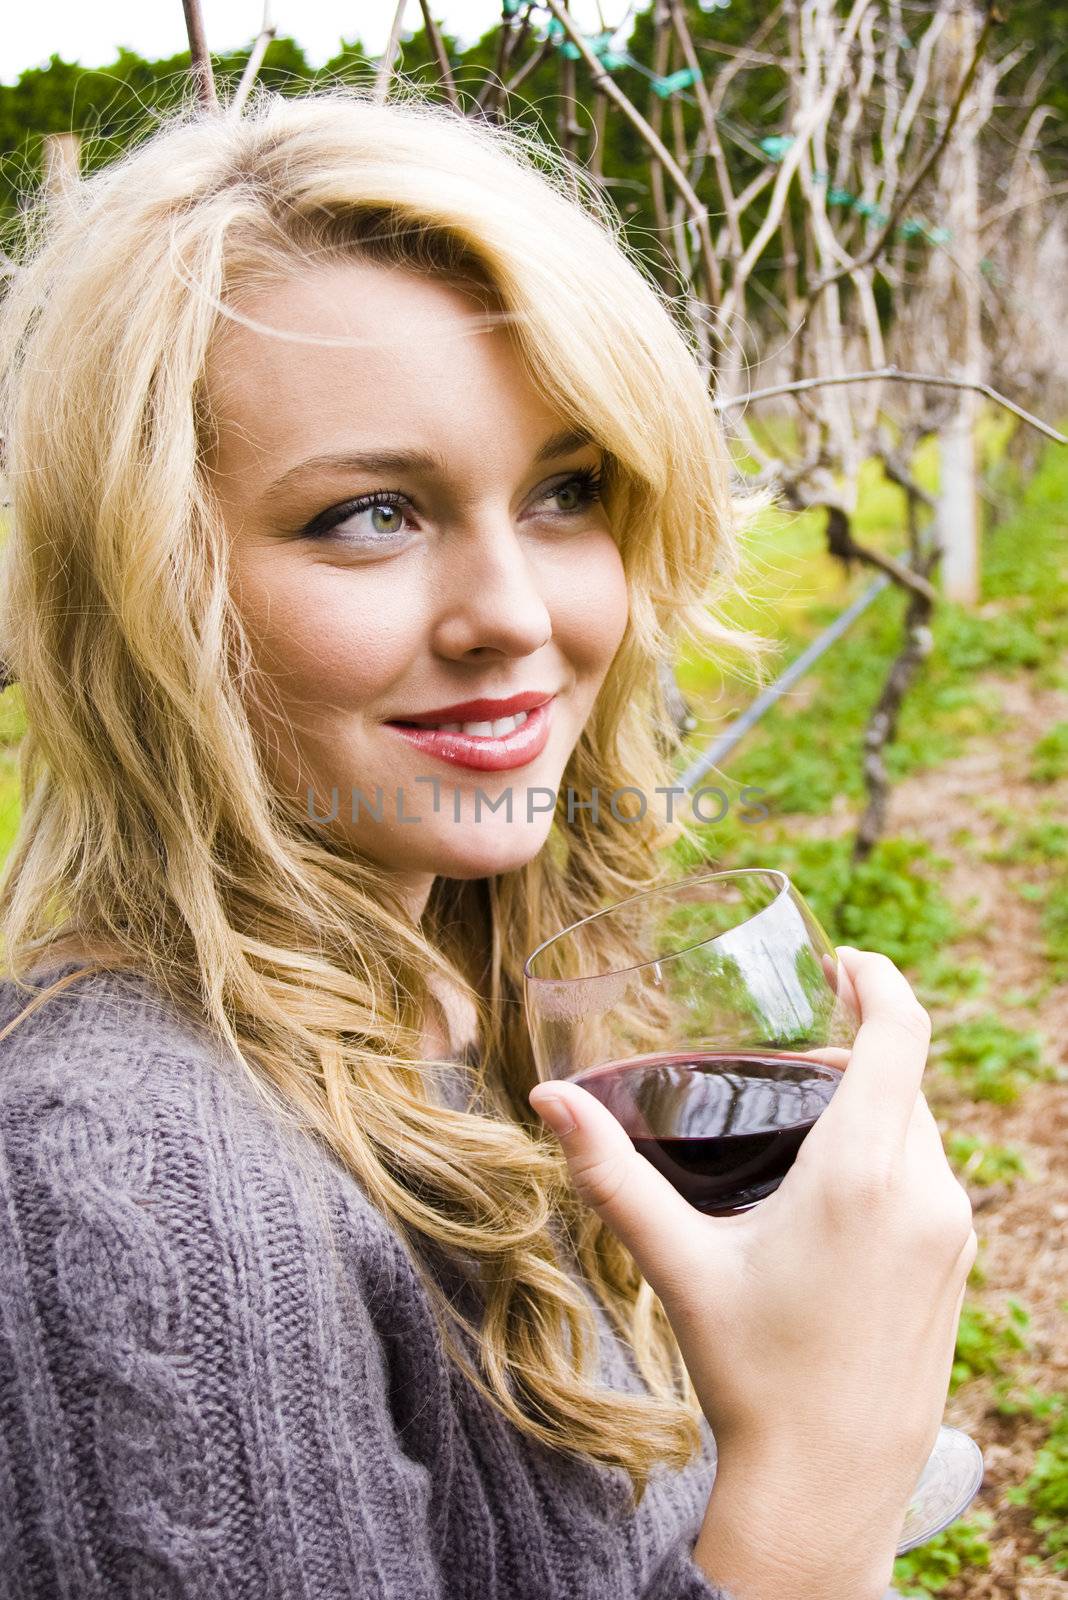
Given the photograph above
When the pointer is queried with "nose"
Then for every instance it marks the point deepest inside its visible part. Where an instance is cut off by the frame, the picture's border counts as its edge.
(491, 599)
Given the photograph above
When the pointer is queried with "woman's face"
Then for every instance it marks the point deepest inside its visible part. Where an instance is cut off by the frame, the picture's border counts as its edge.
(473, 565)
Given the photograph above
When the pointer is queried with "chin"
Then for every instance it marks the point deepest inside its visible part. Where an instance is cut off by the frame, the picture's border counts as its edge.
(483, 857)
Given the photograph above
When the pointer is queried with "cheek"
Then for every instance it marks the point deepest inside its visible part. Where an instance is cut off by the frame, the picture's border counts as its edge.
(322, 635)
(593, 604)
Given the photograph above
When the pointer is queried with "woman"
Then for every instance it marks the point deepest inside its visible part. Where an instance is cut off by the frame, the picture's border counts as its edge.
(321, 423)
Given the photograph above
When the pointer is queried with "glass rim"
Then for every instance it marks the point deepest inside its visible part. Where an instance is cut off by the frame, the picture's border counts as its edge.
(644, 894)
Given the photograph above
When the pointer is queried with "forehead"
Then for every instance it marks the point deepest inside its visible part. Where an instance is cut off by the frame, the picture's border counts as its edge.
(417, 358)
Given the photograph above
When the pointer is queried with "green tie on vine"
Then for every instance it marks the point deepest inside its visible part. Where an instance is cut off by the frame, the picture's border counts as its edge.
(671, 85)
(600, 44)
(775, 147)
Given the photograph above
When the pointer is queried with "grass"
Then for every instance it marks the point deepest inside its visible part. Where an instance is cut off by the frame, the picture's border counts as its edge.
(933, 1566)
(805, 755)
(1055, 925)
(1032, 843)
(982, 1164)
(1049, 758)
(806, 750)
(943, 981)
(987, 1345)
(1045, 1490)
(994, 1060)
(892, 902)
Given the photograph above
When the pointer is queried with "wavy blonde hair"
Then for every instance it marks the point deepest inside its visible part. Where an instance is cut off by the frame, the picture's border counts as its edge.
(149, 827)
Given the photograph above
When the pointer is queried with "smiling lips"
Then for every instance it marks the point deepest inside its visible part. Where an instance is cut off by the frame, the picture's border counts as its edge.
(485, 746)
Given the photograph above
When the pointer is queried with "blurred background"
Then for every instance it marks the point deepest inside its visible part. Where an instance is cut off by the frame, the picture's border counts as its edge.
(876, 193)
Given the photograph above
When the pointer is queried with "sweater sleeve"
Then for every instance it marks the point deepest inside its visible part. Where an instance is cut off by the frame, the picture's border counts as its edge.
(183, 1413)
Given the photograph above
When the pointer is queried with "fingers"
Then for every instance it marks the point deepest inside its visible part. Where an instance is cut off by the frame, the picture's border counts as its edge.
(874, 1102)
(832, 1055)
(636, 1201)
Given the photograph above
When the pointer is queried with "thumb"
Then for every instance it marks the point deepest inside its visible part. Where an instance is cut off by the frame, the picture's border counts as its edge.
(841, 982)
(637, 1202)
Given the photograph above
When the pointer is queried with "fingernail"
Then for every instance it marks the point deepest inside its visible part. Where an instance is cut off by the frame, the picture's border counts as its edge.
(555, 1112)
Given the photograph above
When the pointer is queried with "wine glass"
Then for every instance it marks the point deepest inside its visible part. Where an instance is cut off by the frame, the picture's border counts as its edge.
(716, 1053)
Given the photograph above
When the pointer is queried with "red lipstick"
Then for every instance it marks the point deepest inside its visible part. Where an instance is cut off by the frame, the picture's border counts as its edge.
(483, 710)
(482, 752)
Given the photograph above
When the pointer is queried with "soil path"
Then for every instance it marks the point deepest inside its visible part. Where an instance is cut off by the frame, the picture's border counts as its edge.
(1023, 1227)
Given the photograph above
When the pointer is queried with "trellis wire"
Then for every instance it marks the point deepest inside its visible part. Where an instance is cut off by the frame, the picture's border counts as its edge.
(725, 742)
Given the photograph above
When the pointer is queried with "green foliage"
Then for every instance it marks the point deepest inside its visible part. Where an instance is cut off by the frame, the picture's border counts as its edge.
(1032, 843)
(12, 718)
(1040, 842)
(890, 902)
(972, 643)
(1024, 562)
(1029, 1401)
(1055, 926)
(114, 107)
(980, 1163)
(994, 1060)
(10, 801)
(987, 1344)
(805, 757)
(1049, 758)
(942, 981)
(1045, 1490)
(806, 751)
(932, 1566)
(1031, 998)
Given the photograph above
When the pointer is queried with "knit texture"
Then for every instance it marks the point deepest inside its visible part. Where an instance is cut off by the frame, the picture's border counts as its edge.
(202, 1398)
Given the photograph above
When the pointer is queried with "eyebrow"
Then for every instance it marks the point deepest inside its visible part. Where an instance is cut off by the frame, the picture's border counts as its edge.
(559, 444)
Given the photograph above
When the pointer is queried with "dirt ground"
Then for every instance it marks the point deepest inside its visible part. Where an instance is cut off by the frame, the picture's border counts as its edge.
(1022, 1228)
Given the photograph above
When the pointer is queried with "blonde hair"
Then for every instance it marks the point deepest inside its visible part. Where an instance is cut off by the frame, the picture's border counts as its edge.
(148, 824)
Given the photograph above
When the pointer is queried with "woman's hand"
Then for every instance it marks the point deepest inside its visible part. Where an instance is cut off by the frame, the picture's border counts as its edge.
(819, 1327)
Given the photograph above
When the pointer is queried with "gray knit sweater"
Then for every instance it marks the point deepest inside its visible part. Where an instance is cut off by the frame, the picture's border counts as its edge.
(199, 1398)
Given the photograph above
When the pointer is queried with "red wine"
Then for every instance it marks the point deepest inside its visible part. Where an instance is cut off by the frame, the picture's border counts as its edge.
(724, 1129)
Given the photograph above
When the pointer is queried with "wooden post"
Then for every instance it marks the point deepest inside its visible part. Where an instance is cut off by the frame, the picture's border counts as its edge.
(957, 518)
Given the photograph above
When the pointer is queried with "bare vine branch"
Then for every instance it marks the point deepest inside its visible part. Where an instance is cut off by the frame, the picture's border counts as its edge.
(890, 371)
(878, 244)
(268, 29)
(608, 85)
(441, 56)
(200, 60)
(385, 66)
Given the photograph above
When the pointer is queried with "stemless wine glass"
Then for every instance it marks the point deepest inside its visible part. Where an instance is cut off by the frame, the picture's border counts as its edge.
(716, 1053)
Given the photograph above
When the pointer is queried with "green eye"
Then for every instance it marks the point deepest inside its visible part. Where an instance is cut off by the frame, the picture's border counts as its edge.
(586, 483)
(382, 500)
